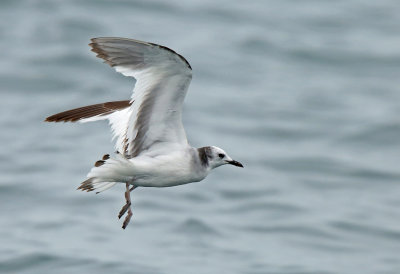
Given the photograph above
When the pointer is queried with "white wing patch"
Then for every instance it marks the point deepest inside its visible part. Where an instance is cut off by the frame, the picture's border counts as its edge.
(118, 121)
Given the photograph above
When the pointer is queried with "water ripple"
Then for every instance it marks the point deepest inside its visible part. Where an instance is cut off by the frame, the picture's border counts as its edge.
(196, 227)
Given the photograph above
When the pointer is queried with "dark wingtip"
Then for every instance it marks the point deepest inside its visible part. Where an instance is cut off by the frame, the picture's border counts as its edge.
(55, 119)
(76, 114)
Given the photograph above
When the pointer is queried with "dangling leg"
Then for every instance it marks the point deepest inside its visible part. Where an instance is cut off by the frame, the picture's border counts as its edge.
(128, 200)
(127, 206)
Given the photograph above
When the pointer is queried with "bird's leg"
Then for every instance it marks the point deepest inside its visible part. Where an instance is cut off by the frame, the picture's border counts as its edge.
(128, 200)
(127, 206)
(127, 218)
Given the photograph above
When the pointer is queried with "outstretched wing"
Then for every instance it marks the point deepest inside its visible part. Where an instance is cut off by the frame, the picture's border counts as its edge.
(84, 113)
(117, 113)
(162, 79)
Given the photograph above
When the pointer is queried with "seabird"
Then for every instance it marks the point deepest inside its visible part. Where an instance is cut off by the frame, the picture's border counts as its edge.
(151, 145)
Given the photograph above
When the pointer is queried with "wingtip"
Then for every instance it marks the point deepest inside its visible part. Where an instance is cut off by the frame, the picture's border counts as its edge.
(50, 119)
(55, 119)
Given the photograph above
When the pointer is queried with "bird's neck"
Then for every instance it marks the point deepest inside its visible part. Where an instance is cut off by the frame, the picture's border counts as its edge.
(203, 154)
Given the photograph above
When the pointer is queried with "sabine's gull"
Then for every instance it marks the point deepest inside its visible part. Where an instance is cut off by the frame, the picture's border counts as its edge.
(151, 145)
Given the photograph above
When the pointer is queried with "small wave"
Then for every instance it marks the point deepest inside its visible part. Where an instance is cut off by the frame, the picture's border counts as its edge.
(196, 227)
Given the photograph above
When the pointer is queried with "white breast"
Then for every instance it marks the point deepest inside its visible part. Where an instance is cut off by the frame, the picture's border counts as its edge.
(162, 170)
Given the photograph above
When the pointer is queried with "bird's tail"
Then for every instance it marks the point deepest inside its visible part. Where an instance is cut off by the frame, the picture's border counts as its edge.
(107, 172)
(91, 184)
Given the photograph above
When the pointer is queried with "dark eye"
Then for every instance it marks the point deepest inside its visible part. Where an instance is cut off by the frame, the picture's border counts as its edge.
(221, 155)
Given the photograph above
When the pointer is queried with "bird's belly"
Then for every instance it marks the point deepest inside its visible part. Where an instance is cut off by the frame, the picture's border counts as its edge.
(164, 173)
(164, 179)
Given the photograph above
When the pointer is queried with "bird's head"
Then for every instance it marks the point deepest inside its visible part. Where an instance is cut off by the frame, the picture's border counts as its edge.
(215, 157)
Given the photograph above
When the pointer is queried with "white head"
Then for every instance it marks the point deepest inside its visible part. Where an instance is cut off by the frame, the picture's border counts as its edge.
(214, 157)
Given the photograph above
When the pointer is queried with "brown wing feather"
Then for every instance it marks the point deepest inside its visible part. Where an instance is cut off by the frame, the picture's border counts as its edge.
(77, 114)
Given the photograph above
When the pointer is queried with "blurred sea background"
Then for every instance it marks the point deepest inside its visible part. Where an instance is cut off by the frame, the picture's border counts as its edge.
(306, 94)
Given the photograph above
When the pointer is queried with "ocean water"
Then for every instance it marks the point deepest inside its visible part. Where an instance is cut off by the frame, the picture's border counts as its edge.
(306, 94)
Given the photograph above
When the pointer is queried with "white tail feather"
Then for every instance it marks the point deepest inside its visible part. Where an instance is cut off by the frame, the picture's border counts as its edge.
(100, 187)
(107, 172)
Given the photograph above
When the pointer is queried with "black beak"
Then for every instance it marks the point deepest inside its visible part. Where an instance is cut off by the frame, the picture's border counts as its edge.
(235, 163)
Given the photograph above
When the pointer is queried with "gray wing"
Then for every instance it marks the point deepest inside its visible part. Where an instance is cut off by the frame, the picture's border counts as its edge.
(162, 79)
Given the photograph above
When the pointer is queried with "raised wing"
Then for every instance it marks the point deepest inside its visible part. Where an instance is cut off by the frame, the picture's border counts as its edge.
(162, 79)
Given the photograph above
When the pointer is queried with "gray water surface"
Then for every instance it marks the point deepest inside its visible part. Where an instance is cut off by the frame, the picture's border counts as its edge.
(304, 93)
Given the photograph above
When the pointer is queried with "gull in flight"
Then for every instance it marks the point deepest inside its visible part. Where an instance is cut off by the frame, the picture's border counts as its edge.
(151, 145)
